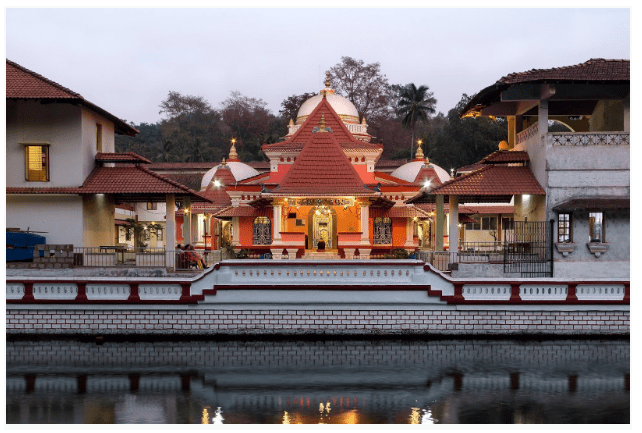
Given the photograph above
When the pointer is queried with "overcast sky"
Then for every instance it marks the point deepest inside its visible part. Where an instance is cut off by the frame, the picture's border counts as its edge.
(127, 60)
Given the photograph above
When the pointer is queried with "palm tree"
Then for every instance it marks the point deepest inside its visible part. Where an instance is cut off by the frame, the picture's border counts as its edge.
(167, 152)
(415, 104)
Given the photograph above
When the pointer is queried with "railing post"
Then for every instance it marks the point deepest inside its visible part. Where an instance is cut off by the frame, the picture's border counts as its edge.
(185, 291)
(571, 296)
(28, 296)
(82, 291)
(514, 293)
(133, 292)
(459, 293)
(627, 292)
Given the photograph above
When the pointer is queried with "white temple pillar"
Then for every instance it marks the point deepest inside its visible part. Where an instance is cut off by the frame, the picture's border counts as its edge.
(453, 217)
(365, 216)
(235, 231)
(409, 233)
(170, 229)
(277, 223)
(187, 221)
(439, 223)
(542, 118)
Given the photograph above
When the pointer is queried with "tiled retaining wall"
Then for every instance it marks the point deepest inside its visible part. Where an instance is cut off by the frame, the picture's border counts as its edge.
(327, 322)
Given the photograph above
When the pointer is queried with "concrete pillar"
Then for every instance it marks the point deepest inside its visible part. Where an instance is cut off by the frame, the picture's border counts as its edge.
(409, 233)
(453, 217)
(187, 221)
(511, 131)
(542, 118)
(439, 223)
(277, 223)
(170, 229)
(365, 216)
(235, 231)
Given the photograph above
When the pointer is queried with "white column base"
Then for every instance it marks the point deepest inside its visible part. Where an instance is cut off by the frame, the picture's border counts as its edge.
(276, 253)
(364, 253)
(349, 252)
(292, 253)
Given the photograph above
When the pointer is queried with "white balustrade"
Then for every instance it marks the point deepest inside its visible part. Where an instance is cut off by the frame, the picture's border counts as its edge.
(15, 290)
(595, 292)
(321, 274)
(159, 291)
(107, 291)
(527, 133)
(480, 292)
(543, 292)
(55, 291)
(590, 138)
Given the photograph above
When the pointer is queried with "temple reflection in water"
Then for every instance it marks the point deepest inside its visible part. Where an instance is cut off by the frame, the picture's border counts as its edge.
(325, 382)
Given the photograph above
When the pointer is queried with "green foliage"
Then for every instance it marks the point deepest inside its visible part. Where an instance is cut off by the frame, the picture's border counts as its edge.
(464, 141)
(397, 253)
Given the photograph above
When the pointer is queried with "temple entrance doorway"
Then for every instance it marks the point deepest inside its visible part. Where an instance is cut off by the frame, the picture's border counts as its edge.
(322, 225)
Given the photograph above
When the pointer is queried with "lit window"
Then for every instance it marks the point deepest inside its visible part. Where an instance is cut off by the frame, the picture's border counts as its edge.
(596, 227)
(152, 206)
(37, 163)
(484, 223)
(564, 228)
(99, 137)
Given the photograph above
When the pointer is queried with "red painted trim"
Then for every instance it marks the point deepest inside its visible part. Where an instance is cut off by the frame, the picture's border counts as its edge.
(82, 291)
(28, 296)
(571, 296)
(185, 292)
(627, 292)
(459, 295)
(133, 292)
(370, 262)
(337, 287)
(514, 294)
(192, 300)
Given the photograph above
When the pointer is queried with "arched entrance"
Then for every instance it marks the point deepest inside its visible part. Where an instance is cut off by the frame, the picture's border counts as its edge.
(322, 224)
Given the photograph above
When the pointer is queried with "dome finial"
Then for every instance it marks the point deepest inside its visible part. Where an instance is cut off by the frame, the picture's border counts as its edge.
(327, 79)
(420, 153)
(233, 155)
(363, 120)
(427, 161)
(291, 121)
(503, 145)
(223, 162)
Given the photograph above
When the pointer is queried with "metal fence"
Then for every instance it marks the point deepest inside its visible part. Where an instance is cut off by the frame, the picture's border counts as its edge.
(528, 249)
(109, 256)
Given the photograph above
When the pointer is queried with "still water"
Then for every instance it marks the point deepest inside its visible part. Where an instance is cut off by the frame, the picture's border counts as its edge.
(278, 381)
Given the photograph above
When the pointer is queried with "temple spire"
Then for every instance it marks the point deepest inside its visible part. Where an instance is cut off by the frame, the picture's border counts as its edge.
(420, 153)
(233, 156)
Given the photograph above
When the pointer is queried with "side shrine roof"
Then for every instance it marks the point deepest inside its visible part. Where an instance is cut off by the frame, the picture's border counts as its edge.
(322, 168)
(345, 139)
(492, 180)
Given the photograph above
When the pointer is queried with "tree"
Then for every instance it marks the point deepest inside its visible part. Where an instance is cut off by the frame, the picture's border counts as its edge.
(191, 121)
(464, 141)
(248, 120)
(415, 105)
(290, 106)
(364, 85)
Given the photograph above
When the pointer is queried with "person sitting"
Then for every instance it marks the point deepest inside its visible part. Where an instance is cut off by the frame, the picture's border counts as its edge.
(193, 259)
(321, 245)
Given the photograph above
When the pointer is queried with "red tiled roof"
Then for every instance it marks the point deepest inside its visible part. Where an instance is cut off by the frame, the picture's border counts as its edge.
(592, 70)
(407, 212)
(390, 179)
(492, 180)
(121, 157)
(486, 210)
(244, 211)
(333, 121)
(259, 164)
(202, 166)
(594, 203)
(506, 156)
(134, 180)
(427, 173)
(471, 167)
(390, 163)
(45, 190)
(202, 207)
(322, 168)
(259, 178)
(25, 84)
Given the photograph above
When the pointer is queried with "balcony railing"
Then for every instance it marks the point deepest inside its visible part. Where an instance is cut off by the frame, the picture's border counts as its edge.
(590, 138)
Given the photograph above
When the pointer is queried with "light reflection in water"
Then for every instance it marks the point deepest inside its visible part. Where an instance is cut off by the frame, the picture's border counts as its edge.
(205, 418)
(426, 417)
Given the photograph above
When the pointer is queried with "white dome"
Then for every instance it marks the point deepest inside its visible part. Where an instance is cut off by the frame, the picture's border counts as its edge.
(240, 171)
(409, 171)
(341, 105)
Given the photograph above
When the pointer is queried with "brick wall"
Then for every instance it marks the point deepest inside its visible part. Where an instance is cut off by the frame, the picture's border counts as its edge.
(327, 322)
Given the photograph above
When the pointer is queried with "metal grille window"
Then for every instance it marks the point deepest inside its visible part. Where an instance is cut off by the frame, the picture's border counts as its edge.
(262, 231)
(382, 230)
(484, 223)
(596, 227)
(564, 228)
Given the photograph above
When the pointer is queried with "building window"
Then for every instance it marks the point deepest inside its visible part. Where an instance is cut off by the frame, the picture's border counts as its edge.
(159, 234)
(37, 163)
(484, 223)
(596, 227)
(382, 230)
(99, 137)
(262, 231)
(564, 228)
(152, 206)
